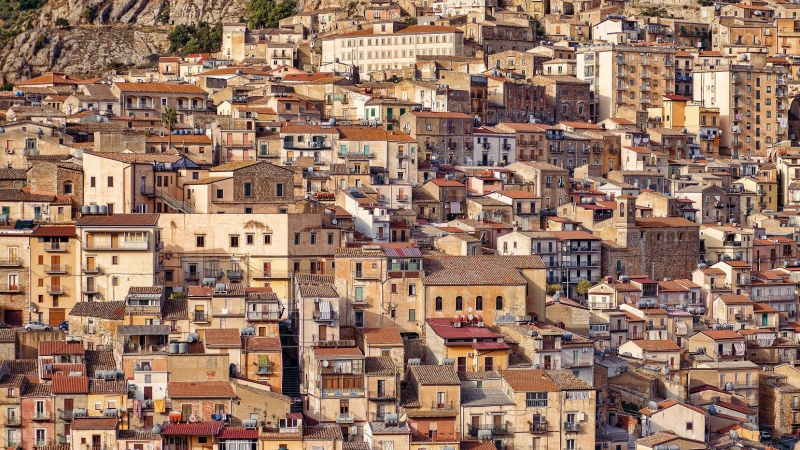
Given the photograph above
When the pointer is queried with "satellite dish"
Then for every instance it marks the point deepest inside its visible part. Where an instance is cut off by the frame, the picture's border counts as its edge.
(733, 435)
(325, 363)
(334, 221)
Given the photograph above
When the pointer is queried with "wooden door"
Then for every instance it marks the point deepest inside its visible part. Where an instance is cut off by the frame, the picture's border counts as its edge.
(323, 333)
(13, 317)
(55, 260)
(114, 241)
(462, 364)
(90, 263)
(69, 404)
(148, 392)
(186, 412)
(89, 240)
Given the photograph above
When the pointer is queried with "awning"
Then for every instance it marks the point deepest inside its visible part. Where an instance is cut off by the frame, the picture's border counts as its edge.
(143, 330)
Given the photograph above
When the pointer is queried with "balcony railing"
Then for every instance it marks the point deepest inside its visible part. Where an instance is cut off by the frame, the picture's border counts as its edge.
(55, 268)
(343, 393)
(13, 421)
(64, 415)
(91, 269)
(40, 416)
(55, 289)
(55, 247)
(10, 262)
(539, 427)
(366, 275)
(386, 394)
(122, 245)
(572, 427)
(344, 418)
(434, 436)
(10, 288)
(495, 428)
(447, 405)
(200, 317)
(264, 315)
(191, 276)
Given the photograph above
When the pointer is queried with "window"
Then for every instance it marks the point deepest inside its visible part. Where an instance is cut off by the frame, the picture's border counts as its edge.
(110, 181)
(279, 190)
(330, 238)
(267, 239)
(92, 182)
(68, 188)
(498, 303)
(412, 315)
(249, 238)
(220, 193)
(689, 426)
(148, 378)
(478, 303)
(412, 289)
(536, 399)
(200, 240)
(438, 303)
(235, 240)
(313, 238)
(248, 189)
(297, 239)
(114, 260)
(459, 303)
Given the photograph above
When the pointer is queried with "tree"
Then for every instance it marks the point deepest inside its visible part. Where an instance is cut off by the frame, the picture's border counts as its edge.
(583, 287)
(200, 38)
(267, 13)
(553, 288)
(62, 23)
(169, 117)
(89, 14)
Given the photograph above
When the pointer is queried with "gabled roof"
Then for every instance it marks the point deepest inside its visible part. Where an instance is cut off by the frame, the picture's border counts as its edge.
(529, 380)
(435, 375)
(70, 385)
(200, 389)
(118, 220)
(175, 88)
(223, 338)
(50, 348)
(192, 429)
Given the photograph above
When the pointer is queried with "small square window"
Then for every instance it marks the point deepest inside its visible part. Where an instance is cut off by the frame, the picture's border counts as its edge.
(110, 181)
(279, 190)
(220, 193)
(249, 238)
(248, 189)
(200, 240)
(267, 239)
(115, 260)
(235, 240)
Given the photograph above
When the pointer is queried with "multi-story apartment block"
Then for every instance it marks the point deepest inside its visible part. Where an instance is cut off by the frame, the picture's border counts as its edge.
(635, 75)
(110, 247)
(150, 99)
(441, 136)
(567, 99)
(54, 253)
(751, 97)
(388, 45)
(15, 272)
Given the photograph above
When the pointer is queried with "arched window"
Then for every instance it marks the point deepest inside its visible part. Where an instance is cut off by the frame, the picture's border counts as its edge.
(459, 303)
(68, 188)
(438, 303)
(622, 209)
(478, 303)
(498, 303)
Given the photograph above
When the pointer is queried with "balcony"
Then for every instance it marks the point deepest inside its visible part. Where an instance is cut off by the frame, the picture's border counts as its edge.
(540, 427)
(402, 198)
(328, 316)
(55, 247)
(331, 340)
(572, 427)
(264, 316)
(10, 289)
(90, 289)
(55, 289)
(434, 436)
(10, 262)
(200, 317)
(64, 415)
(40, 416)
(94, 269)
(123, 245)
(360, 275)
(234, 274)
(343, 393)
(345, 418)
(402, 155)
(55, 268)
(496, 428)
(379, 395)
(191, 276)
(439, 406)
(13, 421)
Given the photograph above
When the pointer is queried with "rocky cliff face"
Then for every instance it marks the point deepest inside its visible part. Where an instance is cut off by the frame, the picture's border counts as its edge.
(125, 33)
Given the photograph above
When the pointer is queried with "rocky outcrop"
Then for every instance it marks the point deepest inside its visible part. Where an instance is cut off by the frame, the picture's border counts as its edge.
(124, 34)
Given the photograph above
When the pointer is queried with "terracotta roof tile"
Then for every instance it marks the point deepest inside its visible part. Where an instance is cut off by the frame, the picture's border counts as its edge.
(200, 389)
(108, 386)
(238, 433)
(657, 345)
(137, 158)
(326, 291)
(428, 375)
(263, 344)
(55, 231)
(223, 338)
(176, 309)
(103, 310)
(50, 348)
(478, 270)
(99, 360)
(529, 380)
(70, 385)
(378, 336)
(322, 433)
(379, 365)
(118, 220)
(722, 334)
(332, 352)
(23, 366)
(192, 429)
(37, 390)
(161, 87)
